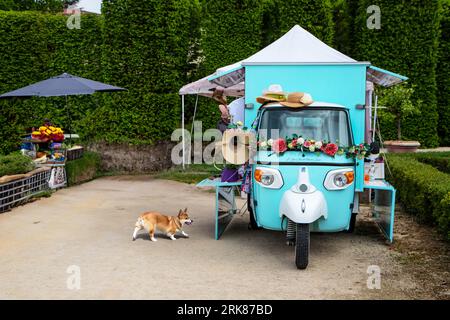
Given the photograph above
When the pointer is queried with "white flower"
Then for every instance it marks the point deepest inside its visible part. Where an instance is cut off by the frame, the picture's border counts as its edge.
(300, 141)
(263, 144)
(312, 148)
(318, 144)
(239, 124)
(270, 142)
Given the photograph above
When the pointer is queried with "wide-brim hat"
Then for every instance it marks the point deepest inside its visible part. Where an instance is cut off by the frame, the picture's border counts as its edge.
(235, 146)
(219, 96)
(297, 100)
(273, 93)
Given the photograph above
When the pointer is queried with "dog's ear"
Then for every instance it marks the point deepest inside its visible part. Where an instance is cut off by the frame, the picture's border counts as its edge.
(179, 212)
(185, 209)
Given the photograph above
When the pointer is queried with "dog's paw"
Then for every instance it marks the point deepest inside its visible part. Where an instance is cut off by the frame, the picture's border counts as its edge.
(134, 239)
(185, 234)
(153, 239)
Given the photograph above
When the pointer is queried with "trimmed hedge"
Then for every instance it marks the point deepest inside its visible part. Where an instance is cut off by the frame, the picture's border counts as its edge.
(439, 160)
(148, 47)
(40, 5)
(231, 31)
(316, 16)
(443, 77)
(15, 163)
(407, 43)
(423, 190)
(47, 48)
(83, 169)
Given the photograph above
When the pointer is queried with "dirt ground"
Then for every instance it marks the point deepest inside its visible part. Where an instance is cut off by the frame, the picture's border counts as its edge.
(90, 227)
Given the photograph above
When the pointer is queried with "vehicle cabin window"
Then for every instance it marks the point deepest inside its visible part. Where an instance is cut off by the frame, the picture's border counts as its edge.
(329, 125)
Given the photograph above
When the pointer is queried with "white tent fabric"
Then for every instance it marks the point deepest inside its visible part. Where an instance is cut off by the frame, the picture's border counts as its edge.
(205, 87)
(298, 46)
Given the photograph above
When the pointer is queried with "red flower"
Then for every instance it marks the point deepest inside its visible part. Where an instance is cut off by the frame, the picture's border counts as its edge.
(279, 146)
(331, 149)
(294, 142)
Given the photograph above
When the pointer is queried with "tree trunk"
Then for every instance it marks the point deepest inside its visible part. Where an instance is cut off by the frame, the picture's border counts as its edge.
(399, 130)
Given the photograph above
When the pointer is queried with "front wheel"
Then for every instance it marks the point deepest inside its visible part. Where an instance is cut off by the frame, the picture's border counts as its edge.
(302, 245)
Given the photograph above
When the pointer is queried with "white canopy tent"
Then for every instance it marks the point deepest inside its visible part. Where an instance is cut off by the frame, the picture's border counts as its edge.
(297, 47)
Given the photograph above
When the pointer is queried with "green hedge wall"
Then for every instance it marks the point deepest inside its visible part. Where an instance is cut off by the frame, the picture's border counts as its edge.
(316, 16)
(148, 48)
(231, 31)
(407, 44)
(424, 191)
(443, 77)
(47, 48)
(39, 5)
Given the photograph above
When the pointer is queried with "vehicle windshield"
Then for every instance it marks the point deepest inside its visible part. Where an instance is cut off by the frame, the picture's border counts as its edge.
(327, 125)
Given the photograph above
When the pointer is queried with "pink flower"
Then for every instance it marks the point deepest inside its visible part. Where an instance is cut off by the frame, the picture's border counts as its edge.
(307, 144)
(331, 149)
(279, 146)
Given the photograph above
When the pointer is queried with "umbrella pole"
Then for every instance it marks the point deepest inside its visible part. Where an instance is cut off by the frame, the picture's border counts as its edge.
(70, 122)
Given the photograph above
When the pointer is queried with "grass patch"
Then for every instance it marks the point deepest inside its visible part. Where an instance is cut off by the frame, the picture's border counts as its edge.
(193, 173)
(15, 163)
(83, 169)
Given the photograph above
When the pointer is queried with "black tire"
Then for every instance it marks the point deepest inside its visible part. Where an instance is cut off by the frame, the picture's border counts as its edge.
(302, 246)
(252, 224)
(351, 227)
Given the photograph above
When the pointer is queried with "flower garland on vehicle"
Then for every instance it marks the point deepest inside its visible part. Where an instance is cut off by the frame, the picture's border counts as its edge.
(298, 143)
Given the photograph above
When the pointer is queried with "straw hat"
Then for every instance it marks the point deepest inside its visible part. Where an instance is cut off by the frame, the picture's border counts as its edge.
(273, 93)
(297, 99)
(235, 146)
(219, 96)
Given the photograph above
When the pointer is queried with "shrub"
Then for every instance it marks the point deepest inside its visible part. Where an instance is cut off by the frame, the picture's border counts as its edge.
(422, 190)
(436, 159)
(15, 163)
(83, 169)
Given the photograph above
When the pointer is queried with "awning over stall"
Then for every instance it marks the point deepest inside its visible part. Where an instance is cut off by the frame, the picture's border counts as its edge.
(383, 77)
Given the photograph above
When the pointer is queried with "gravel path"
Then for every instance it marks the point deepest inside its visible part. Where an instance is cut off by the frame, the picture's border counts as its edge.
(90, 227)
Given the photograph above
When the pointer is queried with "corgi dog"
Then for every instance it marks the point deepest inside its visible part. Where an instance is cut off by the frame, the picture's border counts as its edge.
(151, 221)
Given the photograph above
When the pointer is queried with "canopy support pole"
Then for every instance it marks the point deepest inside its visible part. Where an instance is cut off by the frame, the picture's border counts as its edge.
(193, 118)
(182, 132)
(375, 118)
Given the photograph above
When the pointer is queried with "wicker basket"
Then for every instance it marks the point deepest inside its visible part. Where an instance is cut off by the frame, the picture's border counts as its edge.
(74, 153)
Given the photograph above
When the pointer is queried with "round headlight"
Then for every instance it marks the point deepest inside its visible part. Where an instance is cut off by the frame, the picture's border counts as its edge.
(340, 180)
(267, 179)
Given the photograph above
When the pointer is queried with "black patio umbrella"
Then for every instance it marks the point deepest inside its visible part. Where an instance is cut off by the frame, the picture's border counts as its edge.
(62, 85)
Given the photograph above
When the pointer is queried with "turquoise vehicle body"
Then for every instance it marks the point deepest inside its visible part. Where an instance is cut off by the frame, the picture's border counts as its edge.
(299, 196)
(341, 86)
